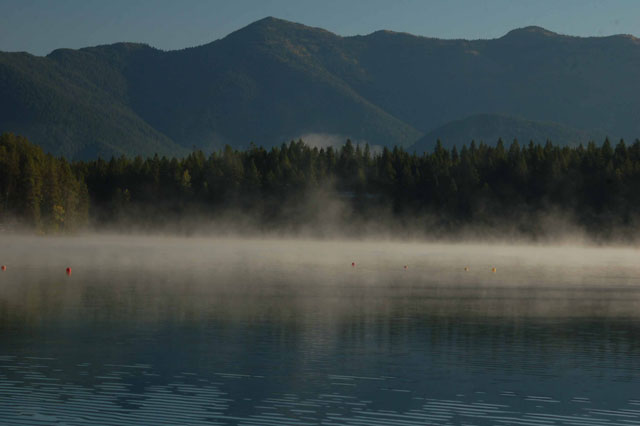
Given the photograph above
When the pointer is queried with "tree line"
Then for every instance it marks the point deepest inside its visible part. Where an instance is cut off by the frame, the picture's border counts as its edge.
(39, 191)
(477, 184)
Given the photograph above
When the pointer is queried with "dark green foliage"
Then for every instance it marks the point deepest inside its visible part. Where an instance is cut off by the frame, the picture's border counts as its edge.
(67, 112)
(478, 184)
(38, 190)
(275, 80)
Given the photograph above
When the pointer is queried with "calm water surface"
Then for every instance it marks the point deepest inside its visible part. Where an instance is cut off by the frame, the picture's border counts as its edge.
(151, 331)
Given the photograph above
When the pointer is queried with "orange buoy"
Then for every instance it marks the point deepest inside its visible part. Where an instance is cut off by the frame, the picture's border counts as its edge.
(493, 269)
(3, 267)
(68, 271)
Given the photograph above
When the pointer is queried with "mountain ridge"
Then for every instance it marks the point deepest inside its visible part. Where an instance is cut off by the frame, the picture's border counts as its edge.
(490, 127)
(274, 80)
(272, 20)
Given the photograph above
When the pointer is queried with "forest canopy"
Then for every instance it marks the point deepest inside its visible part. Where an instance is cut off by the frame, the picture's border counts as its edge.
(38, 190)
(479, 184)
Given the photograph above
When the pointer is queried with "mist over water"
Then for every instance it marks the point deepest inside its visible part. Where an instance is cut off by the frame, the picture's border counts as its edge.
(266, 331)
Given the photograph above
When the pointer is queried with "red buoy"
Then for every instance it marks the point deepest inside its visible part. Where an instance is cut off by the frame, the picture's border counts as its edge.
(406, 267)
(3, 267)
(353, 264)
(68, 271)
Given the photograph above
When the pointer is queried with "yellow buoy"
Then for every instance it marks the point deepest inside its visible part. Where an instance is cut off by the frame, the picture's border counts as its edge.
(466, 268)
(493, 269)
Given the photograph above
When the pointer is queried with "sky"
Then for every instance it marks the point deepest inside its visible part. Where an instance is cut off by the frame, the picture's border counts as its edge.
(40, 26)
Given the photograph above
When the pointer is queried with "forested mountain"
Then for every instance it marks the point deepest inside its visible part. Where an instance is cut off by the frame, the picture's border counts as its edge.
(489, 128)
(67, 113)
(274, 80)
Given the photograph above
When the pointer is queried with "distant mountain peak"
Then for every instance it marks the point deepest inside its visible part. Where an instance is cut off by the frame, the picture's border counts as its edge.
(271, 20)
(489, 127)
(529, 32)
(274, 80)
(271, 26)
(629, 37)
(393, 34)
(122, 47)
(113, 47)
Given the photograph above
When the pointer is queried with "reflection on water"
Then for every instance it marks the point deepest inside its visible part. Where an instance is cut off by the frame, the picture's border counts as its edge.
(156, 332)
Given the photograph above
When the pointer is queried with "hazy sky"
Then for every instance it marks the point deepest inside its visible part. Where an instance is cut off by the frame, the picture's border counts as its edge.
(39, 26)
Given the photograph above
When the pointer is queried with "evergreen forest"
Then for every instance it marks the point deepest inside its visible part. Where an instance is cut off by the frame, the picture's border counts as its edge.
(443, 190)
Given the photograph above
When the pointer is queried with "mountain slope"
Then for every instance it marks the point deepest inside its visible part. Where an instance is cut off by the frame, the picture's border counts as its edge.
(276, 80)
(489, 128)
(264, 84)
(533, 73)
(67, 115)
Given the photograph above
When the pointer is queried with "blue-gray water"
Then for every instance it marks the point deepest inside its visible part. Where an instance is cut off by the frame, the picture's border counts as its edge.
(171, 332)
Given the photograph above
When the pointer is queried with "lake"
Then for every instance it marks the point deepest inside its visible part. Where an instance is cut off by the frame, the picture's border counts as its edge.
(195, 331)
